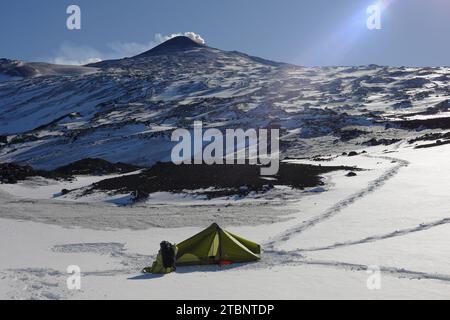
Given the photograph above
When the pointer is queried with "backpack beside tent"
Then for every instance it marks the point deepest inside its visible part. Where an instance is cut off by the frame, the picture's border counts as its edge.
(165, 261)
(211, 246)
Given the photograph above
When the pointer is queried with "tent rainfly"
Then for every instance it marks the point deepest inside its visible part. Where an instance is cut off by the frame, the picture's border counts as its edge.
(211, 246)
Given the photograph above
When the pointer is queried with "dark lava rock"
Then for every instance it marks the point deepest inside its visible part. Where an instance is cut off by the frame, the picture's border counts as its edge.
(94, 166)
(422, 124)
(214, 180)
(414, 83)
(431, 145)
(347, 135)
(11, 173)
(403, 104)
(431, 137)
(379, 142)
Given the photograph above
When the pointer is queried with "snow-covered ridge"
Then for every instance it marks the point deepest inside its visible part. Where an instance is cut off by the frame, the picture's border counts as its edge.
(20, 69)
(126, 110)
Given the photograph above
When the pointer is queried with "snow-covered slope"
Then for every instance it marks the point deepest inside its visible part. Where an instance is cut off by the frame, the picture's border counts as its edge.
(126, 110)
(20, 69)
(393, 217)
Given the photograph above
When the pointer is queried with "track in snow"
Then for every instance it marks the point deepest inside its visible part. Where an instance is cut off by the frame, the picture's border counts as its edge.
(396, 272)
(338, 207)
(274, 257)
(397, 233)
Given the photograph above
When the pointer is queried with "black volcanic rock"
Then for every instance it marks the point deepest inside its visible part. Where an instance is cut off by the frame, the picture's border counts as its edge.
(15, 68)
(177, 44)
(11, 173)
(225, 180)
(182, 49)
(185, 52)
(95, 166)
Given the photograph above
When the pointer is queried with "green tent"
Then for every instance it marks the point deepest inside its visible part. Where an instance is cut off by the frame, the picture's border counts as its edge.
(212, 246)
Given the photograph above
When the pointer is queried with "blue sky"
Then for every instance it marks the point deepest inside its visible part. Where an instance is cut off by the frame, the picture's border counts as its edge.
(304, 32)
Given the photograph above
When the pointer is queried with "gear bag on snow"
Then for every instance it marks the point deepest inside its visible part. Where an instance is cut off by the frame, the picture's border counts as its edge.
(165, 261)
(167, 254)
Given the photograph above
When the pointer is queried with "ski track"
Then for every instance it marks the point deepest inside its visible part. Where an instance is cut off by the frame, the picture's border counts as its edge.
(338, 207)
(397, 233)
(286, 258)
(275, 257)
(50, 284)
(396, 272)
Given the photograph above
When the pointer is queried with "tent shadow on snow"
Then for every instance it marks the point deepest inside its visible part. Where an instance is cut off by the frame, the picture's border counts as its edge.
(209, 268)
(189, 269)
(146, 276)
(211, 250)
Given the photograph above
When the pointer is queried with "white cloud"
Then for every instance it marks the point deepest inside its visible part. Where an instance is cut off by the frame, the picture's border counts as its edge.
(71, 54)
